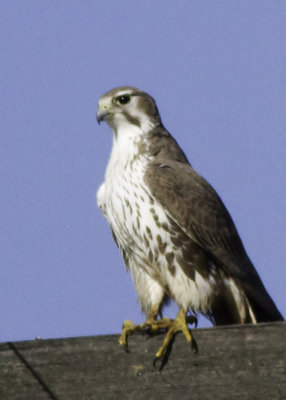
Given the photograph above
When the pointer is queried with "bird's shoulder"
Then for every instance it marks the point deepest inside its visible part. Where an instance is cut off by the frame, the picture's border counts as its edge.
(162, 146)
(178, 177)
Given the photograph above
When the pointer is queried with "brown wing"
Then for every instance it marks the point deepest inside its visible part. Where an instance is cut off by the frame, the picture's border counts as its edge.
(195, 206)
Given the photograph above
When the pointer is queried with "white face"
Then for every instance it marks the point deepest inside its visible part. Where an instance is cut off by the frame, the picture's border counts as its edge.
(123, 107)
(111, 108)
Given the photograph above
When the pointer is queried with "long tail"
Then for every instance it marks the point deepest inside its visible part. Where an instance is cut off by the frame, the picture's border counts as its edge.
(242, 301)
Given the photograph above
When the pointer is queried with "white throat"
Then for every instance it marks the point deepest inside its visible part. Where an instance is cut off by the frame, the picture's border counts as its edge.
(126, 136)
(126, 139)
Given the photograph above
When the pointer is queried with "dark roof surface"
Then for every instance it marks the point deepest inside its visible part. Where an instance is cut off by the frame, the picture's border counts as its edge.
(234, 362)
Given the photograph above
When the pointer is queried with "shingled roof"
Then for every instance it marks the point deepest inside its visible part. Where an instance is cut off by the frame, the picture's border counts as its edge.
(233, 362)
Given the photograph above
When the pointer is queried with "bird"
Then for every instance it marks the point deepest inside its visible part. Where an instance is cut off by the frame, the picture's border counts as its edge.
(173, 231)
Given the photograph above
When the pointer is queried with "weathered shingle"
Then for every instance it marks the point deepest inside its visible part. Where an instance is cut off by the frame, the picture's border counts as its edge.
(234, 362)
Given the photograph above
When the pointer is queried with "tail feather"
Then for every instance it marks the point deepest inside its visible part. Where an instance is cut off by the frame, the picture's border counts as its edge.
(242, 301)
(261, 303)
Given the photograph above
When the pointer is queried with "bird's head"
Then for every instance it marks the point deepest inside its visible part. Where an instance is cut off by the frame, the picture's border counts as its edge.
(127, 106)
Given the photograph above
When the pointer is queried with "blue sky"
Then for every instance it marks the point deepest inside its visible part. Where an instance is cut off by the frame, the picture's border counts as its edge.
(217, 71)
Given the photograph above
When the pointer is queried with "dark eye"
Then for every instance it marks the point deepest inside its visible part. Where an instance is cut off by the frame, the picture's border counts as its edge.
(124, 99)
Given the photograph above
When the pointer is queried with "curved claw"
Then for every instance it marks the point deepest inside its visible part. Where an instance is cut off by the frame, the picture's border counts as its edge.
(127, 328)
(125, 347)
(163, 360)
(194, 346)
(156, 359)
(124, 344)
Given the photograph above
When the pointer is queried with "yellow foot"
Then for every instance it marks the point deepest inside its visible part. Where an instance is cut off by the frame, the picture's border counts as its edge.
(127, 329)
(150, 326)
(180, 324)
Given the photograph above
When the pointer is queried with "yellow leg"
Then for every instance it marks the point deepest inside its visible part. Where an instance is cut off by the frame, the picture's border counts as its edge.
(180, 324)
(151, 326)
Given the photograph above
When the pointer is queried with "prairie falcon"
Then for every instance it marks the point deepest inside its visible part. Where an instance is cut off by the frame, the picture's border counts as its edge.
(174, 233)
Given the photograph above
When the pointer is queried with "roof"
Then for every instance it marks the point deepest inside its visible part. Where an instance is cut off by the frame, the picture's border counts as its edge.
(233, 362)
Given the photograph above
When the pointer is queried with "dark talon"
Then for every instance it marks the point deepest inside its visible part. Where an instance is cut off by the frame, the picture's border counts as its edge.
(194, 346)
(155, 361)
(125, 348)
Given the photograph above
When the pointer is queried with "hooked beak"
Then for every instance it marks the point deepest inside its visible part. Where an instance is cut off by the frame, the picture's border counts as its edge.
(102, 114)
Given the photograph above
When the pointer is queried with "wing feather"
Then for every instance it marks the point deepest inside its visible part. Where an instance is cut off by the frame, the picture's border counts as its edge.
(196, 208)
